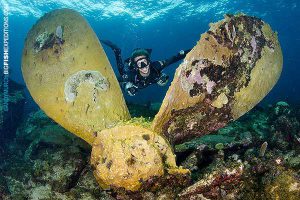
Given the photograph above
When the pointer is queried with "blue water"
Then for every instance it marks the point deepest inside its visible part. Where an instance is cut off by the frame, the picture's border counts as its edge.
(166, 26)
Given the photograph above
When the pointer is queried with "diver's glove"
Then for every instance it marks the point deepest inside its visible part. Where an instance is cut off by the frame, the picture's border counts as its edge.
(184, 52)
(163, 79)
(130, 89)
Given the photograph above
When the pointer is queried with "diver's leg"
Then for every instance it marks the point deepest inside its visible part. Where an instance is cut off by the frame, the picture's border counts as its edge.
(110, 44)
(118, 56)
(119, 60)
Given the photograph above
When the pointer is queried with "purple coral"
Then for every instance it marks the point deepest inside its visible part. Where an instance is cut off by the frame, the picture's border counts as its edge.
(197, 77)
(209, 86)
(231, 34)
(254, 46)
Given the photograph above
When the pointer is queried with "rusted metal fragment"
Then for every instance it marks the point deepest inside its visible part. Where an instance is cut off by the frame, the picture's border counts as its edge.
(222, 183)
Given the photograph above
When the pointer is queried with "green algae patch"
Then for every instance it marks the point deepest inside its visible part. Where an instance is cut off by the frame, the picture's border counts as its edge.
(284, 186)
(138, 121)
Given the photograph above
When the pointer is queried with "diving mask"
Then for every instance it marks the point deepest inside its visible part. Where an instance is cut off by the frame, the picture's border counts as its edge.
(142, 63)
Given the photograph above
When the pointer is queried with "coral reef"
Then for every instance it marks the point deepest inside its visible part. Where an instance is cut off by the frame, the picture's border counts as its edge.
(216, 82)
(69, 76)
(228, 164)
(284, 127)
(249, 164)
(56, 167)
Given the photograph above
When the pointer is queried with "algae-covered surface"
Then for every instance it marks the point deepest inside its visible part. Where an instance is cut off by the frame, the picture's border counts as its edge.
(215, 83)
(207, 139)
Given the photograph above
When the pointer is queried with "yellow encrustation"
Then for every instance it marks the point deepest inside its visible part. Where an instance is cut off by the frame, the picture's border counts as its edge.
(127, 155)
(69, 76)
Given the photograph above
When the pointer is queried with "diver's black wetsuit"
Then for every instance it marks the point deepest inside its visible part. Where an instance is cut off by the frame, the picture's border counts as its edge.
(130, 74)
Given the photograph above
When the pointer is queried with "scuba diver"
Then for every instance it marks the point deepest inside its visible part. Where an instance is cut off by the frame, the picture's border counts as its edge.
(138, 71)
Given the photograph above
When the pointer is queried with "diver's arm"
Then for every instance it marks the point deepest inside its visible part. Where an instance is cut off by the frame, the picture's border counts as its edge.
(173, 59)
(117, 52)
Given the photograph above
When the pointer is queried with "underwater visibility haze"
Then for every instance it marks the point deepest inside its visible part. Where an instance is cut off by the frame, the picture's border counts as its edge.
(226, 125)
